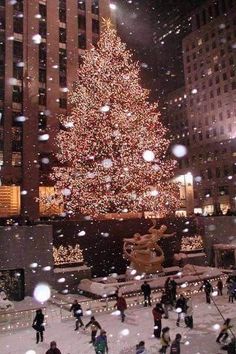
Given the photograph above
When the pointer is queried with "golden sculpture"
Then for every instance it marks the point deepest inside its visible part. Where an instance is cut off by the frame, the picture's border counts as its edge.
(145, 255)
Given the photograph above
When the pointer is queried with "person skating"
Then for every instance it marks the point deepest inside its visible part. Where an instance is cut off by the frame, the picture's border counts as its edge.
(165, 340)
(53, 349)
(95, 326)
(140, 348)
(175, 346)
(78, 313)
(181, 307)
(224, 331)
(38, 325)
(166, 303)
(220, 287)
(231, 292)
(157, 316)
(231, 347)
(189, 314)
(173, 289)
(121, 306)
(146, 289)
(100, 344)
(208, 290)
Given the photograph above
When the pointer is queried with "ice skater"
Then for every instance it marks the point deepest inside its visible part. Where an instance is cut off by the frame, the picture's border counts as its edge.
(181, 307)
(38, 325)
(100, 344)
(165, 340)
(220, 287)
(53, 348)
(95, 326)
(208, 290)
(78, 313)
(121, 305)
(146, 289)
(140, 348)
(175, 346)
(224, 331)
(189, 314)
(157, 317)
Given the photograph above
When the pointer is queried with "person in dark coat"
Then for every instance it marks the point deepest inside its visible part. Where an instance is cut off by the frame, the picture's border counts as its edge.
(157, 317)
(173, 289)
(208, 290)
(38, 325)
(224, 331)
(146, 289)
(100, 345)
(53, 349)
(231, 347)
(95, 326)
(220, 287)
(78, 313)
(175, 346)
(121, 306)
(166, 303)
(181, 307)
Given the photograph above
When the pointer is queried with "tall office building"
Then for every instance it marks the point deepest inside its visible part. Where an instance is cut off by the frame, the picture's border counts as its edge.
(41, 42)
(209, 54)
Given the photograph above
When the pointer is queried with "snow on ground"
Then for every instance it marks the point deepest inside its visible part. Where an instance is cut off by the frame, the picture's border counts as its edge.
(122, 337)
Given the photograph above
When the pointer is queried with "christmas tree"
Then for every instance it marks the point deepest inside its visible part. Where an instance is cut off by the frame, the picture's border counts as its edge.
(113, 148)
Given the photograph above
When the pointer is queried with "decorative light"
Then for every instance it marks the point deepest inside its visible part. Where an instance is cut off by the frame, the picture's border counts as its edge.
(104, 156)
(67, 255)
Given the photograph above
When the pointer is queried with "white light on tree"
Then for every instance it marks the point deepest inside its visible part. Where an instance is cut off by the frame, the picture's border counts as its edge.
(107, 163)
(113, 7)
(42, 292)
(105, 109)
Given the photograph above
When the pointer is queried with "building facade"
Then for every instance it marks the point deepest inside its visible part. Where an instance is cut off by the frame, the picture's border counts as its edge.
(209, 55)
(41, 42)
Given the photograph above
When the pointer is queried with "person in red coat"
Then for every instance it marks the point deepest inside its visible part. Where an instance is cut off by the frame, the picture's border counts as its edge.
(157, 316)
(121, 306)
(53, 348)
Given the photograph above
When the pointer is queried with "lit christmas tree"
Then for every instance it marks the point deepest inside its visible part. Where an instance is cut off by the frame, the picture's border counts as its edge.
(113, 148)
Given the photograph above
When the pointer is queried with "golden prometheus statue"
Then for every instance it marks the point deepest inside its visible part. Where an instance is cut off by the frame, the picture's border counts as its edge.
(145, 255)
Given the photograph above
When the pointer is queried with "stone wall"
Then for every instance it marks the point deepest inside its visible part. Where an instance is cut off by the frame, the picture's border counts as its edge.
(20, 246)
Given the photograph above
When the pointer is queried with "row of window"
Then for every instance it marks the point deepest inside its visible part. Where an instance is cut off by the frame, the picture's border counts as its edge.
(211, 94)
(207, 14)
(221, 190)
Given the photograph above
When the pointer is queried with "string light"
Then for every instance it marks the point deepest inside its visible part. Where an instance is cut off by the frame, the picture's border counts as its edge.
(112, 120)
(67, 254)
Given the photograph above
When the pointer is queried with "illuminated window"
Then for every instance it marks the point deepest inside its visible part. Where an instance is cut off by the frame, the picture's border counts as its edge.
(47, 205)
(9, 201)
(16, 158)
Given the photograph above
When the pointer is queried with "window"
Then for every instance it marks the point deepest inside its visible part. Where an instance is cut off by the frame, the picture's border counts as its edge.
(225, 88)
(95, 26)
(210, 13)
(42, 122)
(224, 76)
(42, 75)
(224, 190)
(42, 11)
(62, 35)
(198, 21)
(43, 29)
(216, 8)
(18, 24)
(218, 174)
(82, 41)
(221, 129)
(223, 6)
(81, 22)
(229, 128)
(95, 7)
(209, 173)
(214, 132)
(218, 91)
(231, 61)
(62, 11)
(17, 71)
(18, 50)
(204, 16)
(213, 45)
(17, 94)
(81, 5)
(42, 97)
(16, 158)
(233, 85)
(63, 103)
(220, 116)
(42, 54)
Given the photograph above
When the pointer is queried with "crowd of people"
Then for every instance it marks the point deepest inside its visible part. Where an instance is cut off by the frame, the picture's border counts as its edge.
(169, 301)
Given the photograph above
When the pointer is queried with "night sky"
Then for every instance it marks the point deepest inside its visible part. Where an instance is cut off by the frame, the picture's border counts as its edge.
(142, 25)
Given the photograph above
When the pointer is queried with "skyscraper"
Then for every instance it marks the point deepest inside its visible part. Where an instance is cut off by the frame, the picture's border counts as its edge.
(41, 43)
(209, 54)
